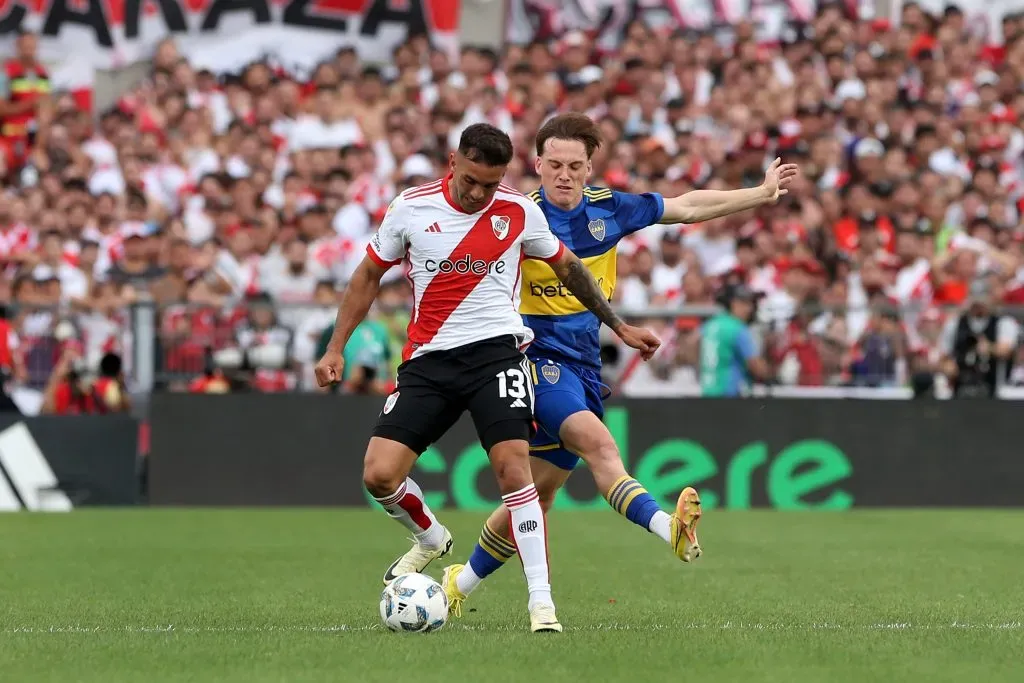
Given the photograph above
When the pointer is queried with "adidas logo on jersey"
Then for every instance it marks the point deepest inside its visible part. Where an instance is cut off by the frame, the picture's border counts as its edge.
(433, 228)
(518, 403)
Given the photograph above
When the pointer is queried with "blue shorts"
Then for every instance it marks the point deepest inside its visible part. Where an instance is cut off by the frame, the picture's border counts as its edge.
(561, 390)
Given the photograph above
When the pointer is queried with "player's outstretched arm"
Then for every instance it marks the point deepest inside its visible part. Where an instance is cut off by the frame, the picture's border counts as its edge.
(581, 282)
(703, 205)
(359, 296)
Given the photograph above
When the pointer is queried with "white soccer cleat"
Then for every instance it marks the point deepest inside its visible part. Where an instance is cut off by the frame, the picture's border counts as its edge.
(417, 559)
(543, 620)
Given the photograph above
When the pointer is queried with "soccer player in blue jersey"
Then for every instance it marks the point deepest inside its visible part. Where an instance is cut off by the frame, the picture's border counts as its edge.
(566, 351)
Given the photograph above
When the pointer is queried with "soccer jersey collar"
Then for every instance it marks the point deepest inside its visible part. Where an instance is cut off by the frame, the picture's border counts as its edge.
(558, 211)
(446, 191)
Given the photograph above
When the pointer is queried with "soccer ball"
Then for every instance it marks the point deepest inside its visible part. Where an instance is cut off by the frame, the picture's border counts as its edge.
(414, 603)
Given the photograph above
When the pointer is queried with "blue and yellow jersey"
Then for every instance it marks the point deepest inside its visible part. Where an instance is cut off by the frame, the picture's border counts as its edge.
(565, 330)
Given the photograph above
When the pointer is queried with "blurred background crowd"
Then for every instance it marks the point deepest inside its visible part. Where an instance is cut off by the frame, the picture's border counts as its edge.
(236, 206)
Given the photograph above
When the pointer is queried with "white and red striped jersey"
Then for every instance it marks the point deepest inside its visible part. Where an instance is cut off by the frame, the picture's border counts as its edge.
(464, 267)
(17, 240)
(913, 286)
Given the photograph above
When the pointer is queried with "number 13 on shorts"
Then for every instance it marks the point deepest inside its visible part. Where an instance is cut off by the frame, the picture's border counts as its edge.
(515, 384)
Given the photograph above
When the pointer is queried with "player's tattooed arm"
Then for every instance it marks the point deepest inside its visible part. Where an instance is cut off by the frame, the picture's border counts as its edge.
(581, 282)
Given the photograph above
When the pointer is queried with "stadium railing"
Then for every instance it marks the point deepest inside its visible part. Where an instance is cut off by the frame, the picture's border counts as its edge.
(167, 348)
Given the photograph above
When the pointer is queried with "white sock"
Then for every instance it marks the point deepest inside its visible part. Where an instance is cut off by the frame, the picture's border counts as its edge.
(406, 505)
(467, 580)
(660, 526)
(532, 541)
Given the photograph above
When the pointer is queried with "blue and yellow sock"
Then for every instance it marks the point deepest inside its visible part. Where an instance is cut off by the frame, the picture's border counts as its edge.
(491, 552)
(631, 500)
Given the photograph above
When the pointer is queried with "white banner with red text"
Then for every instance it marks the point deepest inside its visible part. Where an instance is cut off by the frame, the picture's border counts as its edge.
(78, 36)
(607, 19)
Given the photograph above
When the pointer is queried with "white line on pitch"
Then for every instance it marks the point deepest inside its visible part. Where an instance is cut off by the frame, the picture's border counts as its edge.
(697, 626)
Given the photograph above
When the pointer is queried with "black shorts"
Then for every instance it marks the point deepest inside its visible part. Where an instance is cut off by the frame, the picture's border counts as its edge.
(492, 379)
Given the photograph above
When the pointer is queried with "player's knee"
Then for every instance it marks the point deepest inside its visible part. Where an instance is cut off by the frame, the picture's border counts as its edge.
(511, 465)
(379, 478)
(512, 476)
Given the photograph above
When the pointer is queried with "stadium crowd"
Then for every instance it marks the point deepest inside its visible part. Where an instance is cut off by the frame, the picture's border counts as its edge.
(240, 204)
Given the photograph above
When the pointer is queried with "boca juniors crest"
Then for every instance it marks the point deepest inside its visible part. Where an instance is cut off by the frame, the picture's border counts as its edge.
(597, 228)
(551, 373)
(500, 226)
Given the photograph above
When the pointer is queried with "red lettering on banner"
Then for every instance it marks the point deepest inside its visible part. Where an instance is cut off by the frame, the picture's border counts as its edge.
(116, 9)
(33, 6)
(146, 21)
(341, 6)
(444, 16)
(349, 7)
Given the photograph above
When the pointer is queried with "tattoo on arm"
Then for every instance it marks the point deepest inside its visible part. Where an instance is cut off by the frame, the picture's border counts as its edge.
(578, 280)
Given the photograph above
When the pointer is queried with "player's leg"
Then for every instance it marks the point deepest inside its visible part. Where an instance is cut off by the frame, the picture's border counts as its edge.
(558, 394)
(510, 461)
(494, 547)
(414, 416)
(502, 411)
(554, 396)
(568, 403)
(586, 435)
(581, 433)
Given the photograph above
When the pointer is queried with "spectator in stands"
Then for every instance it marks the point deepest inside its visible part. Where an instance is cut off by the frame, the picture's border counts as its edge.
(70, 392)
(212, 381)
(728, 355)
(796, 350)
(25, 106)
(109, 388)
(981, 342)
(12, 364)
(200, 189)
(368, 357)
(930, 366)
(74, 285)
(137, 264)
(881, 350)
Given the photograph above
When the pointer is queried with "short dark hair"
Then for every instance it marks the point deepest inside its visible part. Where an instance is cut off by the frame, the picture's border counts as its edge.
(490, 55)
(571, 126)
(339, 172)
(485, 144)
(110, 365)
(137, 199)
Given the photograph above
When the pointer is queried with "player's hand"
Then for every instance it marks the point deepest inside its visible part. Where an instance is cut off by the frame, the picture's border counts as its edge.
(778, 178)
(328, 370)
(639, 338)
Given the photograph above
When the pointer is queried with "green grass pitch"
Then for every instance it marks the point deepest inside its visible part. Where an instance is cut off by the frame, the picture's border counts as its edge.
(291, 596)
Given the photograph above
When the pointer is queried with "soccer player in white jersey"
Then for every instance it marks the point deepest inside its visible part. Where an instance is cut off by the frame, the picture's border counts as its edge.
(464, 237)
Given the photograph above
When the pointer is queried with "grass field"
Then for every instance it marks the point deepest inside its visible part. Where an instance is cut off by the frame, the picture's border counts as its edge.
(261, 595)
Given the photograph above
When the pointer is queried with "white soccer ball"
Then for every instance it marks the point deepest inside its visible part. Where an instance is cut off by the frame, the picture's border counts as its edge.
(414, 603)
